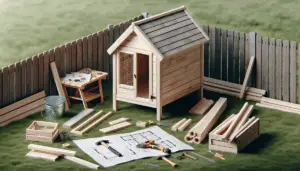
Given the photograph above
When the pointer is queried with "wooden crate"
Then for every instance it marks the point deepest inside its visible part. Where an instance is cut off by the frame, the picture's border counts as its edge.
(42, 131)
(240, 142)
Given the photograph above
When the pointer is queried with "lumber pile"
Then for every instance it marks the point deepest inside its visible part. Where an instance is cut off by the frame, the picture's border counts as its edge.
(232, 89)
(42, 131)
(52, 154)
(201, 107)
(235, 132)
(279, 105)
(22, 108)
(197, 133)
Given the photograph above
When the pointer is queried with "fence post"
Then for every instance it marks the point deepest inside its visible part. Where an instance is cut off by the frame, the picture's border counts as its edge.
(252, 52)
(110, 29)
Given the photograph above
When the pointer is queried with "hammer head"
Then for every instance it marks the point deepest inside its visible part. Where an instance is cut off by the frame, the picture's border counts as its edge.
(102, 141)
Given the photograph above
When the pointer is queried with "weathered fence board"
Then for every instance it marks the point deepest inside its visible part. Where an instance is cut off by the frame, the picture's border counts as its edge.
(84, 52)
(271, 68)
(1, 87)
(5, 85)
(68, 58)
(265, 64)
(12, 83)
(105, 46)
(224, 55)
(212, 52)
(41, 71)
(90, 51)
(242, 56)
(35, 74)
(100, 51)
(79, 54)
(251, 52)
(278, 69)
(236, 60)
(46, 74)
(74, 56)
(51, 80)
(293, 72)
(230, 56)
(206, 53)
(23, 88)
(218, 52)
(18, 79)
(110, 42)
(62, 71)
(258, 57)
(286, 70)
(95, 51)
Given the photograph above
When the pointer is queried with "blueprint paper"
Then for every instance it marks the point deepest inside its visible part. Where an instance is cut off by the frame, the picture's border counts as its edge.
(126, 145)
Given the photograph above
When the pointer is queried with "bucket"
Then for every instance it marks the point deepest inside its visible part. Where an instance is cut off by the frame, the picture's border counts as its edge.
(54, 107)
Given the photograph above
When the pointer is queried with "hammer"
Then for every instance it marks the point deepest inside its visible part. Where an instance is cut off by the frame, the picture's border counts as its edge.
(167, 160)
(105, 144)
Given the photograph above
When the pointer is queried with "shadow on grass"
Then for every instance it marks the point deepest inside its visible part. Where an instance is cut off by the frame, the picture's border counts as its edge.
(261, 143)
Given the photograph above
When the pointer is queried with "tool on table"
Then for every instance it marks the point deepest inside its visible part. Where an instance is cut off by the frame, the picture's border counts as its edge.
(167, 160)
(150, 164)
(105, 144)
(205, 158)
(218, 155)
(151, 144)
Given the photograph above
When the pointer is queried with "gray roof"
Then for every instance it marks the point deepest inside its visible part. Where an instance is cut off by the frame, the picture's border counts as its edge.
(172, 33)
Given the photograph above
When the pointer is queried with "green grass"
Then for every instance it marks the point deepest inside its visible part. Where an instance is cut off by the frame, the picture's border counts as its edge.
(30, 27)
(275, 149)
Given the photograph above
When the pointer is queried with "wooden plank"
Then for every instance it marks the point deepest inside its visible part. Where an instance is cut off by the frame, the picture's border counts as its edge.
(90, 51)
(184, 125)
(230, 56)
(74, 120)
(68, 58)
(298, 78)
(29, 77)
(79, 54)
(242, 56)
(206, 53)
(100, 51)
(293, 72)
(247, 77)
(110, 42)
(259, 61)
(45, 74)
(265, 64)
(95, 51)
(57, 58)
(89, 120)
(116, 127)
(74, 56)
(12, 83)
(201, 107)
(272, 68)
(252, 52)
(18, 79)
(41, 71)
(56, 151)
(236, 61)
(105, 46)
(212, 51)
(224, 56)
(117, 121)
(218, 54)
(62, 71)
(98, 121)
(52, 87)
(58, 84)
(286, 71)
(278, 69)
(266, 100)
(84, 52)
(40, 155)
(178, 124)
(82, 162)
(280, 108)
(1, 88)
(24, 65)
(5, 85)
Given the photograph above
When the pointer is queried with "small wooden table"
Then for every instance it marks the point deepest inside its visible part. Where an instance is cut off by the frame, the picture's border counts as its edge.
(85, 95)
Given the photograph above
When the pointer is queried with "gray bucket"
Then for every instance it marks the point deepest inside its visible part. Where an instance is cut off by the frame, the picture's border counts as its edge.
(54, 107)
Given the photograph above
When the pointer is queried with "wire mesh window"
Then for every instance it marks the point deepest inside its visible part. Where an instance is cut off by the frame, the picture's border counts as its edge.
(126, 69)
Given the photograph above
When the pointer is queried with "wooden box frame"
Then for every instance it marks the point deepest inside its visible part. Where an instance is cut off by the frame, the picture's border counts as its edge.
(45, 134)
(217, 143)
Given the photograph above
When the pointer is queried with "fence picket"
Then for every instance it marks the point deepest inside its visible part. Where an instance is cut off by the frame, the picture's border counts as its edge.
(278, 69)
(35, 74)
(12, 83)
(105, 47)
(41, 70)
(18, 80)
(84, 52)
(286, 71)
(79, 54)
(110, 42)
(62, 72)
(258, 61)
(95, 51)
(298, 64)
(242, 57)
(224, 56)
(5, 86)
(271, 68)
(218, 54)
(230, 56)
(90, 52)
(206, 53)
(236, 61)
(293, 72)
(212, 51)
(265, 64)
(51, 80)
(74, 56)
(68, 58)
(1, 87)
(100, 51)
(46, 73)
(23, 88)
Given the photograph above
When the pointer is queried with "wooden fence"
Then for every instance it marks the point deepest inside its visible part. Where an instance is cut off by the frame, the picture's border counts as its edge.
(277, 61)
(32, 75)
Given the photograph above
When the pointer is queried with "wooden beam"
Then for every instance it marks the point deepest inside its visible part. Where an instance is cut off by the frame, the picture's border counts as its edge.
(201, 107)
(91, 119)
(245, 125)
(40, 155)
(116, 127)
(280, 108)
(225, 125)
(247, 76)
(74, 120)
(82, 162)
(118, 121)
(185, 125)
(58, 84)
(103, 118)
(177, 125)
(56, 151)
(280, 103)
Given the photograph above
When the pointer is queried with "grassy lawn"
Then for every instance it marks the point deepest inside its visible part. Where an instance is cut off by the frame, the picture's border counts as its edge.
(30, 27)
(276, 148)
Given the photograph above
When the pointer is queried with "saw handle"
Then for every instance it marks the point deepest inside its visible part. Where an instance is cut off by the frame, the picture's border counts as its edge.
(169, 161)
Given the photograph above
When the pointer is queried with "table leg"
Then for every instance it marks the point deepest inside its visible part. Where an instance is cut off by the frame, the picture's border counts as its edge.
(101, 91)
(67, 96)
(83, 98)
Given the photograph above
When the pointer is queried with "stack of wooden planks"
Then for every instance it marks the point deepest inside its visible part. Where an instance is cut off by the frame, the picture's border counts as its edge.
(22, 108)
(201, 107)
(279, 105)
(197, 133)
(52, 154)
(232, 89)
(236, 132)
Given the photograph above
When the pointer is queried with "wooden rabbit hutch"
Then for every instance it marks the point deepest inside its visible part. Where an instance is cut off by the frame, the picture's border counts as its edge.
(158, 60)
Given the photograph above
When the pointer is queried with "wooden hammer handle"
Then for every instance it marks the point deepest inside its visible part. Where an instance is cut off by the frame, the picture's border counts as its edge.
(169, 161)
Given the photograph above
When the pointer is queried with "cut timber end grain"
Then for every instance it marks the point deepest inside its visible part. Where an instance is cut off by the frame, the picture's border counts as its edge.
(41, 155)
(185, 125)
(177, 125)
(82, 162)
(208, 121)
(77, 118)
(115, 127)
(56, 151)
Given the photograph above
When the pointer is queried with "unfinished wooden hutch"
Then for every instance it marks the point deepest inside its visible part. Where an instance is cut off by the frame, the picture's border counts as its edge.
(158, 60)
